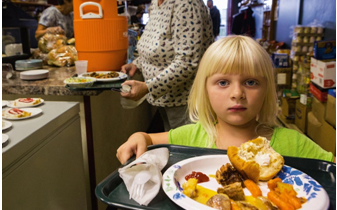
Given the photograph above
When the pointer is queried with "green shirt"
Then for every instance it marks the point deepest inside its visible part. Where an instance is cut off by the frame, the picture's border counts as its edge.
(285, 141)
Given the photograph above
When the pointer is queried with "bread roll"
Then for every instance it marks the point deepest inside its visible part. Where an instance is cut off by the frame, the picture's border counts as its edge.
(256, 159)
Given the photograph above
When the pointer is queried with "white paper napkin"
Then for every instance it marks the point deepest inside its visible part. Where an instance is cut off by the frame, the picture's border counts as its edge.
(128, 103)
(153, 161)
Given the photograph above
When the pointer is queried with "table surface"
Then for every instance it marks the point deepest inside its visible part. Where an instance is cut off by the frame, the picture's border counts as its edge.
(112, 190)
(53, 85)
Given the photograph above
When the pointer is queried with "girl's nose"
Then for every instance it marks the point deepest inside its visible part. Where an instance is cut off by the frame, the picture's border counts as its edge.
(237, 92)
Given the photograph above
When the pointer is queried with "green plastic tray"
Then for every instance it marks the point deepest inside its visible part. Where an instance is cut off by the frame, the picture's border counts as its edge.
(99, 86)
(112, 190)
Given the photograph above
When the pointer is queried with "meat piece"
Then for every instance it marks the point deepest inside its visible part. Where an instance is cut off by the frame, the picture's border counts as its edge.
(233, 191)
(219, 201)
(227, 174)
(246, 206)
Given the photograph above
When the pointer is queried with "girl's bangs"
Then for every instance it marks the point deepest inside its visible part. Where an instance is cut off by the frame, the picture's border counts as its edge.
(238, 59)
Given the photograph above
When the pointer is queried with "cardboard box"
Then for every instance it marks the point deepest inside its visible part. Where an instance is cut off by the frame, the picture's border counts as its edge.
(322, 133)
(330, 113)
(318, 109)
(301, 116)
(328, 138)
(288, 107)
(288, 103)
(319, 93)
(280, 60)
(325, 49)
(283, 76)
(323, 72)
(314, 127)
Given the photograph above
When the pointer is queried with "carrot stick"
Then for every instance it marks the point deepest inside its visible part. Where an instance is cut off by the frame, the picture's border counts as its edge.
(272, 184)
(234, 206)
(253, 188)
(275, 198)
(293, 200)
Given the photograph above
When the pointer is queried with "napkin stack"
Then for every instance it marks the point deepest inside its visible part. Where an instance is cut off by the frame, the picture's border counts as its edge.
(153, 161)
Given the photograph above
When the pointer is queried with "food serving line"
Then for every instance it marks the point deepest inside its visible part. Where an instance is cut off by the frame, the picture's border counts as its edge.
(104, 123)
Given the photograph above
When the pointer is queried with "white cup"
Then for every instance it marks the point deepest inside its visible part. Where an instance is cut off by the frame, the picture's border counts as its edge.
(81, 66)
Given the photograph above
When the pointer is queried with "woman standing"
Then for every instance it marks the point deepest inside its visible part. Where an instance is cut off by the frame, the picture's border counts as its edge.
(57, 20)
(174, 40)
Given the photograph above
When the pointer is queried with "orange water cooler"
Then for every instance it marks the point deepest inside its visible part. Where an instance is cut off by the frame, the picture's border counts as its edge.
(101, 36)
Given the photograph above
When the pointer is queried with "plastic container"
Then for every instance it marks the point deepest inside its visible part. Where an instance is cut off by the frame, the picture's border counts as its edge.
(28, 64)
(101, 34)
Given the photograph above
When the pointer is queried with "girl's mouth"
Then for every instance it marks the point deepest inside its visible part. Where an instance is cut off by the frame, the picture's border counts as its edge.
(237, 108)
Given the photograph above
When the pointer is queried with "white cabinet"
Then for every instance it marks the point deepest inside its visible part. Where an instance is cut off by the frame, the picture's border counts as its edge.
(42, 165)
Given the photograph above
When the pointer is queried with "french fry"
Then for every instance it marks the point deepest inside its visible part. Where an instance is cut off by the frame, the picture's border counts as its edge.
(277, 200)
(253, 188)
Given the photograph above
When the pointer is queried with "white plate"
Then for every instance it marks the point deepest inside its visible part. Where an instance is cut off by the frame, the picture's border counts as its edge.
(34, 74)
(34, 111)
(11, 104)
(4, 103)
(174, 177)
(4, 138)
(120, 77)
(6, 125)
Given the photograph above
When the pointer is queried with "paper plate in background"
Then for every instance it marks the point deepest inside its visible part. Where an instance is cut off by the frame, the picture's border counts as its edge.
(34, 74)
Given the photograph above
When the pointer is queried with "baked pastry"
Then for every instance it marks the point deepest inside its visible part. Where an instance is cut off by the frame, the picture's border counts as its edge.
(15, 113)
(256, 159)
(24, 102)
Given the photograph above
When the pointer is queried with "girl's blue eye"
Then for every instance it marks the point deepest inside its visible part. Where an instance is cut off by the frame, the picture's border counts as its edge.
(223, 83)
(251, 82)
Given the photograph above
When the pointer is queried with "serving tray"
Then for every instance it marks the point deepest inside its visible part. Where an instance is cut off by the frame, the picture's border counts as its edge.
(99, 86)
(113, 192)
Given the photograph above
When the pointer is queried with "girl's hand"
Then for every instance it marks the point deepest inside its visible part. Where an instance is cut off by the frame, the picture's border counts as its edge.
(136, 144)
(129, 69)
(138, 90)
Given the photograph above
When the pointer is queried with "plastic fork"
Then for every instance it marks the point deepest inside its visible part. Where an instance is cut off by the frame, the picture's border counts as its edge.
(137, 187)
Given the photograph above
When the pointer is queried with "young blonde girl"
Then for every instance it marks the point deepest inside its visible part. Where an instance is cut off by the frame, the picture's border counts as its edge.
(232, 100)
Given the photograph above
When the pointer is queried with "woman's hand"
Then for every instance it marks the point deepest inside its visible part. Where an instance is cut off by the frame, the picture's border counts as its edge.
(138, 90)
(129, 69)
(136, 144)
(55, 30)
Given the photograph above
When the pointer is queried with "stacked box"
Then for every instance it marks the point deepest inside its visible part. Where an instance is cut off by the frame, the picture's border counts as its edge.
(318, 129)
(323, 72)
(288, 104)
(325, 50)
(330, 114)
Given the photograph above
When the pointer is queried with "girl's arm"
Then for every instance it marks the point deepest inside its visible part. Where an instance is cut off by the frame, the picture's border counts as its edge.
(137, 144)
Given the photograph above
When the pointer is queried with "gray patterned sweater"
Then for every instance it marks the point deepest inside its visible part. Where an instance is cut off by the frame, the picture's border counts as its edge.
(174, 40)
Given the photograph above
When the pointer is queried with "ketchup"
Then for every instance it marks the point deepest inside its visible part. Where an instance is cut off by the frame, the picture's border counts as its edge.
(198, 175)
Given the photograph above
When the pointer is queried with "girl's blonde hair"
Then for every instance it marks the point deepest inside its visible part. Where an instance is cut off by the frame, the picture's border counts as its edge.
(232, 55)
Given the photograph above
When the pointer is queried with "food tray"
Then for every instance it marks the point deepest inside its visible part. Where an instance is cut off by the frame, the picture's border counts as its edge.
(113, 192)
(99, 86)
